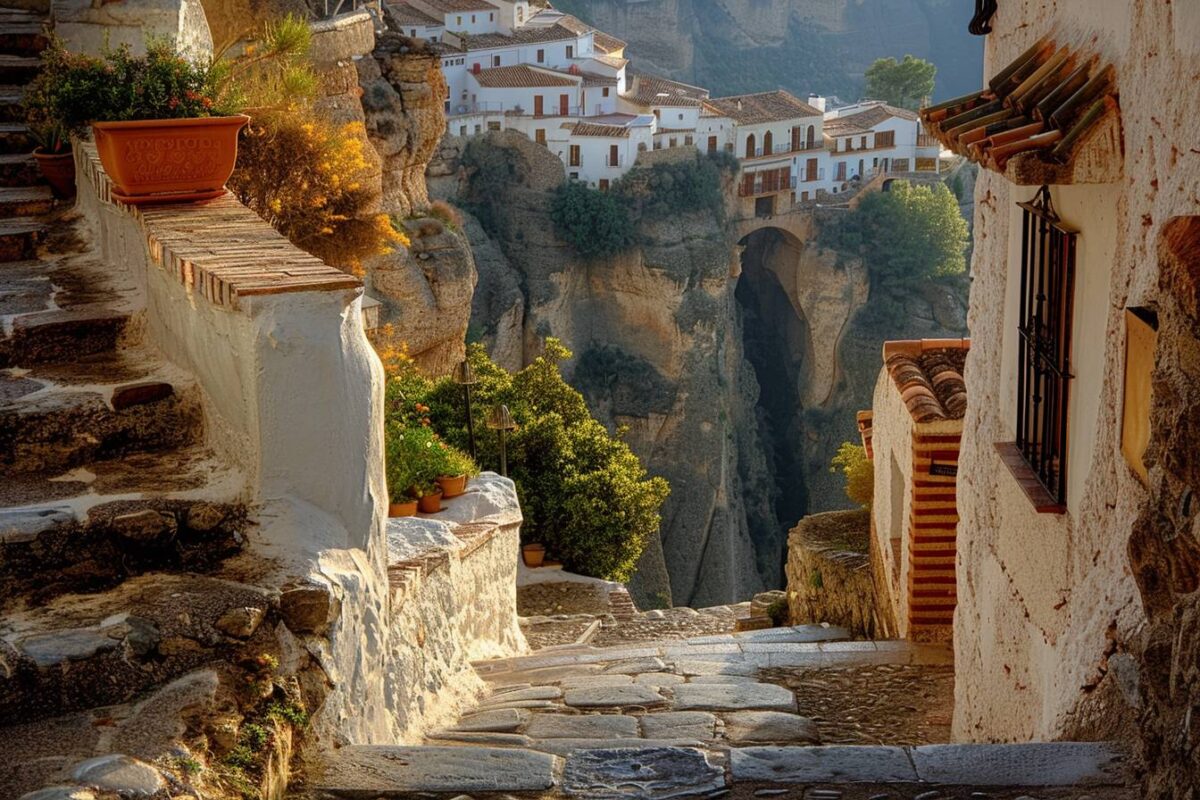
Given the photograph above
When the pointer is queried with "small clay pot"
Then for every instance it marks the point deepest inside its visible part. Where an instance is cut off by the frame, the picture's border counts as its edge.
(430, 503)
(404, 509)
(59, 171)
(452, 485)
(534, 554)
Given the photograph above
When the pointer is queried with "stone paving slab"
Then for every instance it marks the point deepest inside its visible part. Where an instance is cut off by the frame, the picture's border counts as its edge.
(597, 680)
(484, 738)
(532, 693)
(679, 725)
(835, 764)
(503, 720)
(564, 747)
(632, 666)
(733, 697)
(580, 726)
(640, 773)
(374, 771)
(763, 727)
(1030, 764)
(659, 679)
(614, 696)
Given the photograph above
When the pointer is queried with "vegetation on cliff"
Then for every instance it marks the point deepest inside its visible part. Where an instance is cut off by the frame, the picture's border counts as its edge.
(907, 237)
(851, 460)
(600, 223)
(583, 492)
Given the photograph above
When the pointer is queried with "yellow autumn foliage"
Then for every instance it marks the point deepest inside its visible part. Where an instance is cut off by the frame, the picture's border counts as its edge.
(311, 181)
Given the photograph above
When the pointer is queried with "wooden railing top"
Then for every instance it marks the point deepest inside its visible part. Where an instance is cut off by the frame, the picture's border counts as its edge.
(220, 249)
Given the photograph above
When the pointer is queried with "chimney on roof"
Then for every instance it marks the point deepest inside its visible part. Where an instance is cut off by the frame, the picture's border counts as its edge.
(739, 104)
(816, 101)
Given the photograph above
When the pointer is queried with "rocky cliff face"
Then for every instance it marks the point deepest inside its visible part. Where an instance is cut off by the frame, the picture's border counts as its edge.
(726, 361)
(734, 46)
(426, 290)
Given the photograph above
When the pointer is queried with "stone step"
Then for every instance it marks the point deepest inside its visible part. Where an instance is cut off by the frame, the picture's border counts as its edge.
(15, 138)
(18, 69)
(18, 170)
(25, 201)
(10, 104)
(386, 771)
(62, 335)
(54, 429)
(54, 548)
(20, 38)
(84, 651)
(19, 237)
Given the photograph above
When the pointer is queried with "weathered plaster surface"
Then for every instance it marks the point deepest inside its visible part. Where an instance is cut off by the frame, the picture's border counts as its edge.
(87, 27)
(1047, 604)
(891, 435)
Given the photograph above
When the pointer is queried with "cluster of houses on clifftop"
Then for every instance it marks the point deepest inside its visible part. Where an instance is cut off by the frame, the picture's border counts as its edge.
(570, 88)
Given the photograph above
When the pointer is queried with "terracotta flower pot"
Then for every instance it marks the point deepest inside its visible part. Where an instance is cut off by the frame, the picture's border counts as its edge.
(452, 485)
(534, 554)
(169, 160)
(59, 171)
(405, 509)
(430, 503)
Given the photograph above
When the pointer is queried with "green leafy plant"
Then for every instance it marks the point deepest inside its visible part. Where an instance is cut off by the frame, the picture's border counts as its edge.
(596, 223)
(851, 460)
(677, 187)
(901, 83)
(778, 613)
(583, 492)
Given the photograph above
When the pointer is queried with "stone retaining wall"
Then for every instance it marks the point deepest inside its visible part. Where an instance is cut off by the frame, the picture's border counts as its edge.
(829, 576)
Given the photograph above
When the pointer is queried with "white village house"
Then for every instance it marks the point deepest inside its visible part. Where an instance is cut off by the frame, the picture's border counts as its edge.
(568, 87)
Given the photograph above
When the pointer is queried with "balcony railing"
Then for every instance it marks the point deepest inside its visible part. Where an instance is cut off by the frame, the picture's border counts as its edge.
(474, 109)
(781, 150)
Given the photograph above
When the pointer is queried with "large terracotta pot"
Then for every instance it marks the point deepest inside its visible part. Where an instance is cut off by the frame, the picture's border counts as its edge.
(534, 554)
(452, 486)
(169, 160)
(59, 171)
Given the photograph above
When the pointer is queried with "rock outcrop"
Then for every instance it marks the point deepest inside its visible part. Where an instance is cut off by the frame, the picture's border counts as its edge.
(425, 290)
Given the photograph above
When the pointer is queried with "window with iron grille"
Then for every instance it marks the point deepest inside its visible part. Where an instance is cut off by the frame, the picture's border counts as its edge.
(1044, 357)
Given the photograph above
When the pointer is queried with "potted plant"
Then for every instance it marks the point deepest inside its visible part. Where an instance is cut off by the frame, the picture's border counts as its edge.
(165, 127)
(454, 470)
(399, 473)
(54, 158)
(429, 497)
(534, 554)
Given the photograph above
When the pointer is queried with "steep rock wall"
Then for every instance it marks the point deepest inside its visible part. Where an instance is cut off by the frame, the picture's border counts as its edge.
(425, 290)
(824, 46)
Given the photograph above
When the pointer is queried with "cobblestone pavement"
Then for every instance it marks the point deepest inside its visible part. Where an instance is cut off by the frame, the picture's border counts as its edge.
(606, 630)
(721, 715)
(561, 597)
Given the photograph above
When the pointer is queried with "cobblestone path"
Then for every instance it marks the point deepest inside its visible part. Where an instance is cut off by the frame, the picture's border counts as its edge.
(723, 715)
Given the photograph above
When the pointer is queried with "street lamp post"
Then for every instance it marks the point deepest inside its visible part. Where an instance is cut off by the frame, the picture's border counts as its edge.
(464, 376)
(502, 422)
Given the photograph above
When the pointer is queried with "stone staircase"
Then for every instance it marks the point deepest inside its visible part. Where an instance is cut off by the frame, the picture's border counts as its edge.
(708, 716)
(121, 588)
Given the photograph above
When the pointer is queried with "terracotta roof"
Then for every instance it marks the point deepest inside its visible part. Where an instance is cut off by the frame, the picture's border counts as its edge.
(405, 14)
(574, 24)
(875, 114)
(522, 75)
(455, 6)
(607, 43)
(837, 126)
(1045, 103)
(751, 109)
(928, 375)
(612, 61)
(592, 79)
(592, 129)
(651, 90)
(527, 35)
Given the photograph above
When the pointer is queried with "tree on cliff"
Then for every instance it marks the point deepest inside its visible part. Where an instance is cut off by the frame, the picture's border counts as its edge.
(900, 83)
(596, 223)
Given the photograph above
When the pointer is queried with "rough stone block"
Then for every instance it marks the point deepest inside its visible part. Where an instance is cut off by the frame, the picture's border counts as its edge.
(613, 696)
(576, 726)
(372, 771)
(640, 772)
(770, 726)
(1032, 764)
(733, 697)
(679, 725)
(121, 774)
(503, 720)
(836, 764)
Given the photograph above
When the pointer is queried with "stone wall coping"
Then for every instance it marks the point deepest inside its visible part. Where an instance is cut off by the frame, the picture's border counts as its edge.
(220, 249)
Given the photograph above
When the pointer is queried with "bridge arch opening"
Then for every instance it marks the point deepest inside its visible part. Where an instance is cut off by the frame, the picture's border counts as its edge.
(777, 346)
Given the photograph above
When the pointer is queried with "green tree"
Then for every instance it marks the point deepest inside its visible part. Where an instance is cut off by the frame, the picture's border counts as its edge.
(906, 236)
(584, 494)
(901, 83)
(596, 223)
(851, 460)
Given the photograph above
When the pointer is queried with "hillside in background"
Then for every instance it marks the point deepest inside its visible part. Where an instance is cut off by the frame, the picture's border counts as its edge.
(822, 46)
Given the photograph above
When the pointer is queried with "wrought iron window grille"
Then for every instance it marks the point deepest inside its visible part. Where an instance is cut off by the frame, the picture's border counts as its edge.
(981, 23)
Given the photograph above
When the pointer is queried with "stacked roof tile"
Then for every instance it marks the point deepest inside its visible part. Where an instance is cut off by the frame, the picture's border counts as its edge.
(1045, 102)
(751, 109)
(522, 76)
(405, 14)
(928, 375)
(651, 90)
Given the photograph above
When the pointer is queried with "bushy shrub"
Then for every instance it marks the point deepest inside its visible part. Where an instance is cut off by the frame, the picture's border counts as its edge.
(584, 494)
(448, 214)
(491, 173)
(851, 460)
(596, 223)
(311, 181)
(678, 187)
